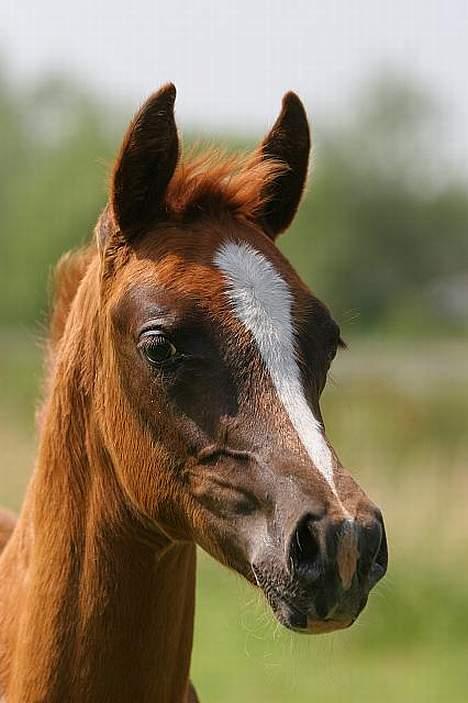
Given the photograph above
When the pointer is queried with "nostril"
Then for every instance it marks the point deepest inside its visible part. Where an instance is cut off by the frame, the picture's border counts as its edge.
(305, 549)
(380, 564)
(374, 553)
(382, 555)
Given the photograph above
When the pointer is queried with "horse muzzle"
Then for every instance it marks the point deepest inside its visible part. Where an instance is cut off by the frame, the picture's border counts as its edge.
(332, 567)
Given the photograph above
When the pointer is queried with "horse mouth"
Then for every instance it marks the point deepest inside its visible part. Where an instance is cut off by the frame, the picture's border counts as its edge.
(301, 621)
(299, 611)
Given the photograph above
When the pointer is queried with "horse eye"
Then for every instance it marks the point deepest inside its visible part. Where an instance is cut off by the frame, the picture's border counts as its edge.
(157, 349)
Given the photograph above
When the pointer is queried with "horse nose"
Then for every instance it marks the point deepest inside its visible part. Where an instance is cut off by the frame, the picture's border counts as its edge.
(331, 558)
(307, 552)
(373, 551)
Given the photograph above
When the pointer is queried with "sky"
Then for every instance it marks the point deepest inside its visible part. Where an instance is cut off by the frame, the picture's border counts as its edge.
(232, 61)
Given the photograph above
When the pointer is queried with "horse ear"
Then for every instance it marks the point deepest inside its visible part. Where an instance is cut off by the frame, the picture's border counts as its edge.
(287, 142)
(145, 164)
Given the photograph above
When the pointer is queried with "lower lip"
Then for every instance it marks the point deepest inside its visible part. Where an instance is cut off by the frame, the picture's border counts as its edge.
(320, 627)
(302, 624)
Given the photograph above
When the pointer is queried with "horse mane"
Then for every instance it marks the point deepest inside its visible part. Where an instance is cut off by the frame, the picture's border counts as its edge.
(212, 180)
(67, 277)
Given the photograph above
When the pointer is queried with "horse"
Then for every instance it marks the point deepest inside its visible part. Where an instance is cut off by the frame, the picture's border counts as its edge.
(185, 364)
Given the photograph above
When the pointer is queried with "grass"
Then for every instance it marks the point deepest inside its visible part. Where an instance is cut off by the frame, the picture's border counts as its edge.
(397, 416)
(409, 645)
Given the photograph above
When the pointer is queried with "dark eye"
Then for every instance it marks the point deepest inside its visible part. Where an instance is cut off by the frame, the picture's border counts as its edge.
(157, 348)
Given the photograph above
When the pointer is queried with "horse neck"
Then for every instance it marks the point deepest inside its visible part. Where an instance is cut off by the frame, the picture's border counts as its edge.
(108, 603)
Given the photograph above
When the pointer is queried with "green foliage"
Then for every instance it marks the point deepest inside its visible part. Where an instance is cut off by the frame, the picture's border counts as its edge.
(381, 235)
(52, 186)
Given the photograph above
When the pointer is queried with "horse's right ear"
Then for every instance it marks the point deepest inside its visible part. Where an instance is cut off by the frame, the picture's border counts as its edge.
(288, 142)
(145, 165)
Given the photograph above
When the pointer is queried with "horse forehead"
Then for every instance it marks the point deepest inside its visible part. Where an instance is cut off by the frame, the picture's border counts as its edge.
(247, 268)
(261, 290)
(204, 266)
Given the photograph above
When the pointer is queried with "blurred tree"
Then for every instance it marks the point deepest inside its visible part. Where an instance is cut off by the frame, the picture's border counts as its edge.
(52, 185)
(386, 217)
(382, 235)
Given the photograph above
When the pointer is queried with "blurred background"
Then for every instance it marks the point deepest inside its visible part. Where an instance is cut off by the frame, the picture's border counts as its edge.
(382, 237)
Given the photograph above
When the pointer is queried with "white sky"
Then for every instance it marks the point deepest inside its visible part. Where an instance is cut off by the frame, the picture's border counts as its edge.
(232, 61)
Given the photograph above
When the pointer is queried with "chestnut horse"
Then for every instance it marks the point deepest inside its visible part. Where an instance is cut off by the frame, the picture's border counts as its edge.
(185, 367)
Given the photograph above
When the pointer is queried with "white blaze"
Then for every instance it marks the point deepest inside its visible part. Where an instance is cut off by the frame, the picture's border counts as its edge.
(262, 301)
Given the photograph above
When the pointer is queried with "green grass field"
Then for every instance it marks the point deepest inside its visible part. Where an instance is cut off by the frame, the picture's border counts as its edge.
(398, 418)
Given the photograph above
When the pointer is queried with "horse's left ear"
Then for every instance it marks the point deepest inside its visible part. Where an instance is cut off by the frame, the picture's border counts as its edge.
(287, 142)
(145, 165)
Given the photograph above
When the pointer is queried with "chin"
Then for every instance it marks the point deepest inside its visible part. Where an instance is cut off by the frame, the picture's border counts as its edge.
(304, 620)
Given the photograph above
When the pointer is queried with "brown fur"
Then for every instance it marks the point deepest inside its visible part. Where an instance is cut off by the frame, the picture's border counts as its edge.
(213, 181)
(68, 274)
(7, 525)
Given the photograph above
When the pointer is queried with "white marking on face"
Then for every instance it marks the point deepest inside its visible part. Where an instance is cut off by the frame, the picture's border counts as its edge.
(262, 301)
